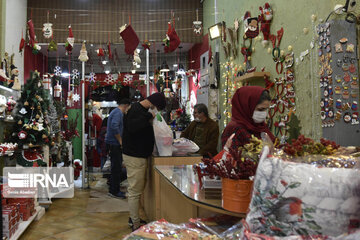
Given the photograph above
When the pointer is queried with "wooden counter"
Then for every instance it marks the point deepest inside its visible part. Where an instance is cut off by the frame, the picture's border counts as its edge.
(164, 199)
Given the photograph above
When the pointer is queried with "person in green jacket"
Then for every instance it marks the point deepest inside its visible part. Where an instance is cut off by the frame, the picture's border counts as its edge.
(203, 131)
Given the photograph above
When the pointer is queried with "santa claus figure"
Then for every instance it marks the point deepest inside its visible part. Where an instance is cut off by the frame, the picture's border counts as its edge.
(251, 26)
(265, 18)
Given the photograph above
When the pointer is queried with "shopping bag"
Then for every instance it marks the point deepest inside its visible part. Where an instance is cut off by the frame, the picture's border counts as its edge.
(107, 165)
(163, 136)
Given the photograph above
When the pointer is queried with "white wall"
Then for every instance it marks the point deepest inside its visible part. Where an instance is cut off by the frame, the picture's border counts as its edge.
(15, 21)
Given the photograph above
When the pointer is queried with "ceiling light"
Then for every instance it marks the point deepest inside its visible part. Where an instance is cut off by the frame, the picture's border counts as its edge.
(107, 71)
(151, 77)
(65, 74)
(137, 65)
(104, 62)
(175, 65)
(133, 71)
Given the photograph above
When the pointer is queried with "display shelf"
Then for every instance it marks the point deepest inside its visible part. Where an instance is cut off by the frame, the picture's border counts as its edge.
(252, 76)
(25, 224)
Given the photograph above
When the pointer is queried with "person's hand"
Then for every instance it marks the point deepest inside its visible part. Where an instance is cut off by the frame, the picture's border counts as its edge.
(229, 142)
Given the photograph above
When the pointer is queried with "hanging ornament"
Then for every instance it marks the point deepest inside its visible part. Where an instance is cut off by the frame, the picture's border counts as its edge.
(92, 77)
(83, 53)
(23, 111)
(109, 79)
(22, 43)
(52, 46)
(197, 25)
(22, 135)
(265, 18)
(75, 74)
(127, 79)
(100, 52)
(57, 90)
(47, 30)
(251, 26)
(40, 127)
(46, 81)
(76, 97)
(70, 100)
(57, 71)
(26, 103)
(69, 41)
(137, 58)
(146, 45)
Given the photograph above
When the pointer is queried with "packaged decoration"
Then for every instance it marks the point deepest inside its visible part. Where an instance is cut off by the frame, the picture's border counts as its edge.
(161, 229)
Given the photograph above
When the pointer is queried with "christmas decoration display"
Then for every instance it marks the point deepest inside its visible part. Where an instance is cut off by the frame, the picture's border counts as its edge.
(47, 81)
(7, 149)
(32, 37)
(32, 127)
(14, 77)
(265, 18)
(130, 38)
(251, 25)
(31, 158)
(83, 53)
(172, 40)
(52, 46)
(231, 163)
(197, 25)
(47, 30)
(69, 44)
(57, 90)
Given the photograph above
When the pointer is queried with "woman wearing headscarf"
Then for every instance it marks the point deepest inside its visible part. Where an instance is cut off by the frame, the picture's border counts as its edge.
(250, 106)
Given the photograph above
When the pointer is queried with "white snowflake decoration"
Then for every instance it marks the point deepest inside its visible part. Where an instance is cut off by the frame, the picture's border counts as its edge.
(128, 78)
(109, 79)
(76, 97)
(92, 77)
(75, 74)
(57, 71)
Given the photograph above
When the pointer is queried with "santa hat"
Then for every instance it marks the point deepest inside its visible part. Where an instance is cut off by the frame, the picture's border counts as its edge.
(267, 6)
(130, 38)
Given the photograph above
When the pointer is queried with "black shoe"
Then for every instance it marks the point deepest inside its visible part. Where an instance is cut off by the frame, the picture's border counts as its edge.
(120, 195)
(130, 222)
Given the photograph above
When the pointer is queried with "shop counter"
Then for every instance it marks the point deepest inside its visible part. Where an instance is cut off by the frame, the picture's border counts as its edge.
(178, 197)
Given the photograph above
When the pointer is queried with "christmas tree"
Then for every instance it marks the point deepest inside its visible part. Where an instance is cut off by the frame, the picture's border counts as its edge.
(31, 130)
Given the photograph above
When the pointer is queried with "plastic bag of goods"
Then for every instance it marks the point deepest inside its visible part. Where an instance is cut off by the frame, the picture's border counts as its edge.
(163, 136)
(183, 146)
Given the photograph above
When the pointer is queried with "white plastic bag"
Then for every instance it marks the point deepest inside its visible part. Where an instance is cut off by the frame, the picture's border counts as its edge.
(163, 136)
(183, 146)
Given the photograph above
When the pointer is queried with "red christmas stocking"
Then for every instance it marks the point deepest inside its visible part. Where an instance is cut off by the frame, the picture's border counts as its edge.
(130, 38)
(174, 41)
(31, 33)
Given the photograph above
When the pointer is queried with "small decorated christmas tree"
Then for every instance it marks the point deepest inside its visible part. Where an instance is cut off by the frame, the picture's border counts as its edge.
(31, 129)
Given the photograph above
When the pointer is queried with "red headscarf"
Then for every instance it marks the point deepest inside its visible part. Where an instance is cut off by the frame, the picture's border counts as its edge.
(244, 102)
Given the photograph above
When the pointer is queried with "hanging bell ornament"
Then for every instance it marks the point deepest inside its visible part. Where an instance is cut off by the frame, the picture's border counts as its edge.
(26, 103)
(52, 143)
(44, 136)
(83, 53)
(31, 145)
(19, 122)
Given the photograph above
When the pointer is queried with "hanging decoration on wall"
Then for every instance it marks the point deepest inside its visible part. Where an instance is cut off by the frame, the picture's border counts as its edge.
(100, 51)
(57, 90)
(265, 18)
(32, 38)
(197, 25)
(47, 81)
(69, 44)
(83, 57)
(47, 29)
(172, 40)
(57, 71)
(251, 25)
(130, 38)
(146, 44)
(76, 97)
(92, 76)
(52, 46)
(22, 43)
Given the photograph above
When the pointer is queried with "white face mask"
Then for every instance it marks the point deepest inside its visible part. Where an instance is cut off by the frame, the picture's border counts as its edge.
(259, 116)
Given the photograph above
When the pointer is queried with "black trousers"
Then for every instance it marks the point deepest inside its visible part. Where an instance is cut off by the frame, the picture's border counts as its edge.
(117, 175)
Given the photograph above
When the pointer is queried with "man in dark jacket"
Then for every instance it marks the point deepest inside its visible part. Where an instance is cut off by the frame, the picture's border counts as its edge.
(138, 145)
(203, 131)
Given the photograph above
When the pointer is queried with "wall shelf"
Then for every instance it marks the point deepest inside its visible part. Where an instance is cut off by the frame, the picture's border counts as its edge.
(252, 76)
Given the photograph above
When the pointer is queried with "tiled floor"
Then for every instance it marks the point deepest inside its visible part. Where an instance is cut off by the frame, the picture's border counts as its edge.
(67, 219)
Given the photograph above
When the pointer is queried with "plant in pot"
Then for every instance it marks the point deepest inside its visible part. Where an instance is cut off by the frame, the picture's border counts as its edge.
(236, 167)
